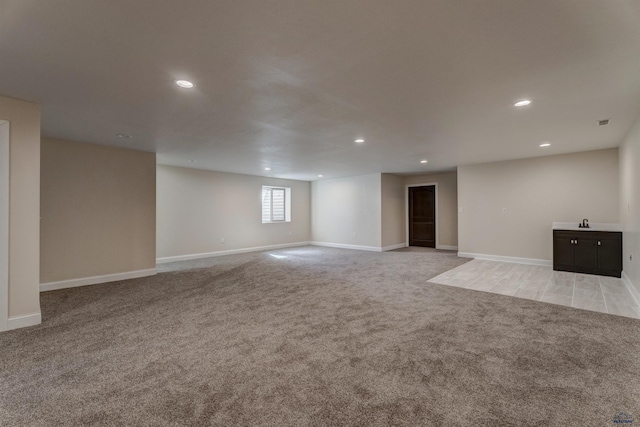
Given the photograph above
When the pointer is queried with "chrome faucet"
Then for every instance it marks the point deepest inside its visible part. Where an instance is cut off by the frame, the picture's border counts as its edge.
(585, 224)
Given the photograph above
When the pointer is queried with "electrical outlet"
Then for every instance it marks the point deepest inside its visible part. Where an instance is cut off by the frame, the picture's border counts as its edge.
(504, 210)
(222, 240)
(461, 210)
(291, 233)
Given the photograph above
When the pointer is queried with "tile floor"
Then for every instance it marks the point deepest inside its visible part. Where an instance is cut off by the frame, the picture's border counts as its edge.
(585, 291)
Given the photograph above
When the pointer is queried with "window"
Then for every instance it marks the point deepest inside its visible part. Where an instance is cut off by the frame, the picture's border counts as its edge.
(276, 204)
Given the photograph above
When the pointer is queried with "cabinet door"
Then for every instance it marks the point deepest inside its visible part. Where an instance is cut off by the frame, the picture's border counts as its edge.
(586, 253)
(562, 250)
(610, 254)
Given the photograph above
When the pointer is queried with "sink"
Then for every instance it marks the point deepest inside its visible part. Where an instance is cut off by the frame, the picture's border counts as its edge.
(595, 226)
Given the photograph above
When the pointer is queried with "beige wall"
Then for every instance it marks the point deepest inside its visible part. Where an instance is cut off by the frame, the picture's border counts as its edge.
(535, 192)
(629, 156)
(197, 208)
(393, 211)
(447, 215)
(98, 211)
(24, 206)
(347, 211)
(4, 224)
(370, 210)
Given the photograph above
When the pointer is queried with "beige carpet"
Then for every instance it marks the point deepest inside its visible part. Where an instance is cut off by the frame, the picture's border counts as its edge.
(315, 337)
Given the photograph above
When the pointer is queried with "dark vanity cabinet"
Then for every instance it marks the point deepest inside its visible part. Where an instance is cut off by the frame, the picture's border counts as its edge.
(590, 252)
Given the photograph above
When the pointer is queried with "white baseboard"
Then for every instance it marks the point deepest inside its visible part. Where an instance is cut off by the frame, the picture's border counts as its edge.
(344, 246)
(632, 289)
(94, 280)
(164, 260)
(392, 247)
(500, 258)
(447, 247)
(24, 321)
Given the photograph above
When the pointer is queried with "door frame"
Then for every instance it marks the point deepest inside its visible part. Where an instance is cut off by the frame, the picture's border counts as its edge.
(4, 224)
(406, 210)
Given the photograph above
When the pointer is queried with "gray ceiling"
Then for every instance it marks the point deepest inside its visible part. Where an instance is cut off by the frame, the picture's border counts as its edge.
(290, 84)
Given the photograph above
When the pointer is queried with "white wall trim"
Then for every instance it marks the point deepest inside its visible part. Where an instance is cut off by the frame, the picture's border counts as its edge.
(24, 321)
(4, 224)
(500, 258)
(392, 247)
(95, 280)
(164, 260)
(406, 210)
(634, 292)
(447, 247)
(345, 246)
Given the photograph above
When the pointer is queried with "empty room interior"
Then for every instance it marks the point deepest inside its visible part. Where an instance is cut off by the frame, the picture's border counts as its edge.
(319, 213)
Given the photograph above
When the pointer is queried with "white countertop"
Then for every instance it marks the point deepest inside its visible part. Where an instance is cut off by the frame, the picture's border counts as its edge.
(596, 226)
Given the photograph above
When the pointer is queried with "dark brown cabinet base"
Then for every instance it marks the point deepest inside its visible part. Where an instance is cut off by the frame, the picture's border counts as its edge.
(590, 252)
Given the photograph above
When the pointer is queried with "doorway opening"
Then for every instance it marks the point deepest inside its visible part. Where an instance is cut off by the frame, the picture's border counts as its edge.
(421, 219)
(4, 225)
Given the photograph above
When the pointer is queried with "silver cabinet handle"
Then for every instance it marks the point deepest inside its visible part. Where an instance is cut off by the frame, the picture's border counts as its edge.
(599, 243)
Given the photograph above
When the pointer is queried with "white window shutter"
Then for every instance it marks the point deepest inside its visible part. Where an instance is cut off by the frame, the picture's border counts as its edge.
(266, 204)
(277, 204)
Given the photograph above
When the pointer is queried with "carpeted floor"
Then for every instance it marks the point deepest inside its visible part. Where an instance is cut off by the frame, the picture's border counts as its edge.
(315, 337)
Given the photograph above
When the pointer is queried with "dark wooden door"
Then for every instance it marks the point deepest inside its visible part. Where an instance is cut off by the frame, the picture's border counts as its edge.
(586, 253)
(610, 254)
(422, 216)
(562, 251)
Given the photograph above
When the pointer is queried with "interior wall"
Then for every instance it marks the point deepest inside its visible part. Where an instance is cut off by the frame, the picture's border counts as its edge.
(196, 209)
(393, 211)
(347, 211)
(629, 156)
(4, 224)
(447, 215)
(535, 192)
(24, 210)
(98, 211)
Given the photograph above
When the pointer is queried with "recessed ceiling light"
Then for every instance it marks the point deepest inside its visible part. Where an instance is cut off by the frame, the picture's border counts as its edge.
(545, 145)
(123, 135)
(522, 103)
(267, 169)
(184, 83)
(320, 176)
(423, 161)
(359, 141)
